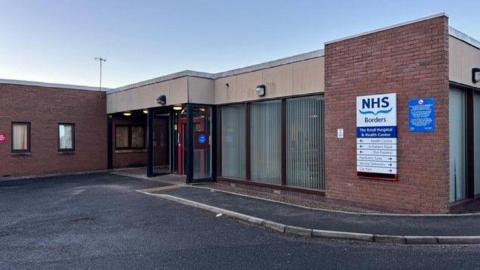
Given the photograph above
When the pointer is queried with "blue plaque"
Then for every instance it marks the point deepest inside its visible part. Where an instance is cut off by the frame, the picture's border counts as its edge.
(422, 115)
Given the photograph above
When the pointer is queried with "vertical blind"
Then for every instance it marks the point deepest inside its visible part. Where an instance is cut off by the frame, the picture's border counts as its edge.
(138, 137)
(457, 144)
(305, 142)
(66, 136)
(265, 144)
(20, 137)
(476, 120)
(233, 141)
(121, 137)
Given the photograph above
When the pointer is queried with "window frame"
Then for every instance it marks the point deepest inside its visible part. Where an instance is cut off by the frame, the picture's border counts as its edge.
(72, 149)
(129, 147)
(248, 178)
(29, 138)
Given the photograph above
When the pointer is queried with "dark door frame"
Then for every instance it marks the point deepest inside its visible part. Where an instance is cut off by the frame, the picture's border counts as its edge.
(190, 144)
(167, 111)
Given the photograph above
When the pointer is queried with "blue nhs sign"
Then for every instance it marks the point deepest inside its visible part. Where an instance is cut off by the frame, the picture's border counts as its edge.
(377, 110)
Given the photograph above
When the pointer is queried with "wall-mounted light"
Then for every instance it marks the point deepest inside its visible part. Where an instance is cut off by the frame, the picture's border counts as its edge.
(260, 89)
(177, 108)
(145, 111)
(476, 75)
(127, 113)
(162, 100)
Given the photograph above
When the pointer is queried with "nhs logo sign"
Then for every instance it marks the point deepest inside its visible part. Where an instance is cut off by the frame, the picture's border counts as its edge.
(377, 110)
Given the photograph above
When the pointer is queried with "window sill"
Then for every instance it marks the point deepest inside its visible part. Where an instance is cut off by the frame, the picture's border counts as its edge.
(20, 154)
(130, 151)
(69, 152)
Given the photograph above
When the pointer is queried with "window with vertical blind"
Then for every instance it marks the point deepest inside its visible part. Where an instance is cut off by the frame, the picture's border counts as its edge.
(305, 142)
(457, 127)
(476, 119)
(129, 137)
(265, 142)
(20, 137)
(66, 137)
(233, 141)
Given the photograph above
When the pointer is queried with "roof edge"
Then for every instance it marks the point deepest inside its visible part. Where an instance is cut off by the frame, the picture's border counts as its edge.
(172, 76)
(273, 63)
(463, 37)
(52, 85)
(442, 14)
(213, 76)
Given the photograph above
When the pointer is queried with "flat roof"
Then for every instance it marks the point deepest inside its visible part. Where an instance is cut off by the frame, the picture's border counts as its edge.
(463, 37)
(213, 76)
(52, 85)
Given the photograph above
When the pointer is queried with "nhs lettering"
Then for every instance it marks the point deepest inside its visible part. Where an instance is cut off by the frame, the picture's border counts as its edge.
(377, 134)
(377, 110)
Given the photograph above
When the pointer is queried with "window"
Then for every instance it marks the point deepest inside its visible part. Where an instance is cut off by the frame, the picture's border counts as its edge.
(305, 142)
(138, 137)
(20, 137)
(457, 128)
(233, 141)
(265, 142)
(121, 137)
(66, 137)
(129, 137)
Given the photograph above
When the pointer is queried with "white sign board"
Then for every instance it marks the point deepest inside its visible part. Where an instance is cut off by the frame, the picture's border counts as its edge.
(377, 134)
(339, 133)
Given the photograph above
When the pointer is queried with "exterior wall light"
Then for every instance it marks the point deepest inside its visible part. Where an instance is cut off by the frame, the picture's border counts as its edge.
(127, 113)
(177, 108)
(145, 111)
(260, 90)
(476, 75)
(162, 100)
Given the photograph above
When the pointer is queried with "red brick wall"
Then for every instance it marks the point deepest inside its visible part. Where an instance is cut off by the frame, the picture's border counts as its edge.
(45, 108)
(412, 61)
(129, 158)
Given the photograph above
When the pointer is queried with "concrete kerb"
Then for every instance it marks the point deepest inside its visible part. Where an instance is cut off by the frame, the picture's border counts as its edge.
(309, 232)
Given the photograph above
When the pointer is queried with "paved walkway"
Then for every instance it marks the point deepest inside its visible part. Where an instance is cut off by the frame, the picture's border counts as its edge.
(468, 225)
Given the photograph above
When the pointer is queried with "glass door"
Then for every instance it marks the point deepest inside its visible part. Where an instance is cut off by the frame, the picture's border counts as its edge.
(202, 142)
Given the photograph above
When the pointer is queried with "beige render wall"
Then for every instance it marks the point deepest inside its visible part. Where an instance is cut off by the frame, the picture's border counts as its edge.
(145, 96)
(200, 90)
(297, 78)
(462, 58)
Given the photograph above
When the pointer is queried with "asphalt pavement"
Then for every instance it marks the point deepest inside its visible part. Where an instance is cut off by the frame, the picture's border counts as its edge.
(100, 222)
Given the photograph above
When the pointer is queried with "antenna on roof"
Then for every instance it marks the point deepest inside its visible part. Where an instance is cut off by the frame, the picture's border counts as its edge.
(100, 60)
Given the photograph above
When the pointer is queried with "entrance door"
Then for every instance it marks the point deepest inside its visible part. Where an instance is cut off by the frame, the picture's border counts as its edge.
(199, 151)
(161, 144)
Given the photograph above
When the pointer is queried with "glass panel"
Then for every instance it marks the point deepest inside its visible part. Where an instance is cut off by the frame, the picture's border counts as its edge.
(20, 137)
(138, 137)
(66, 136)
(202, 148)
(476, 120)
(305, 142)
(457, 144)
(265, 148)
(233, 141)
(121, 137)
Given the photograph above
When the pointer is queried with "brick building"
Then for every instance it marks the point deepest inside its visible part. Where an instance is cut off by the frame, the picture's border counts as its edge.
(388, 119)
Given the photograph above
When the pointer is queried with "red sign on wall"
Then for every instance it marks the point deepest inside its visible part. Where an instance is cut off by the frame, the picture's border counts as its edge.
(3, 138)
